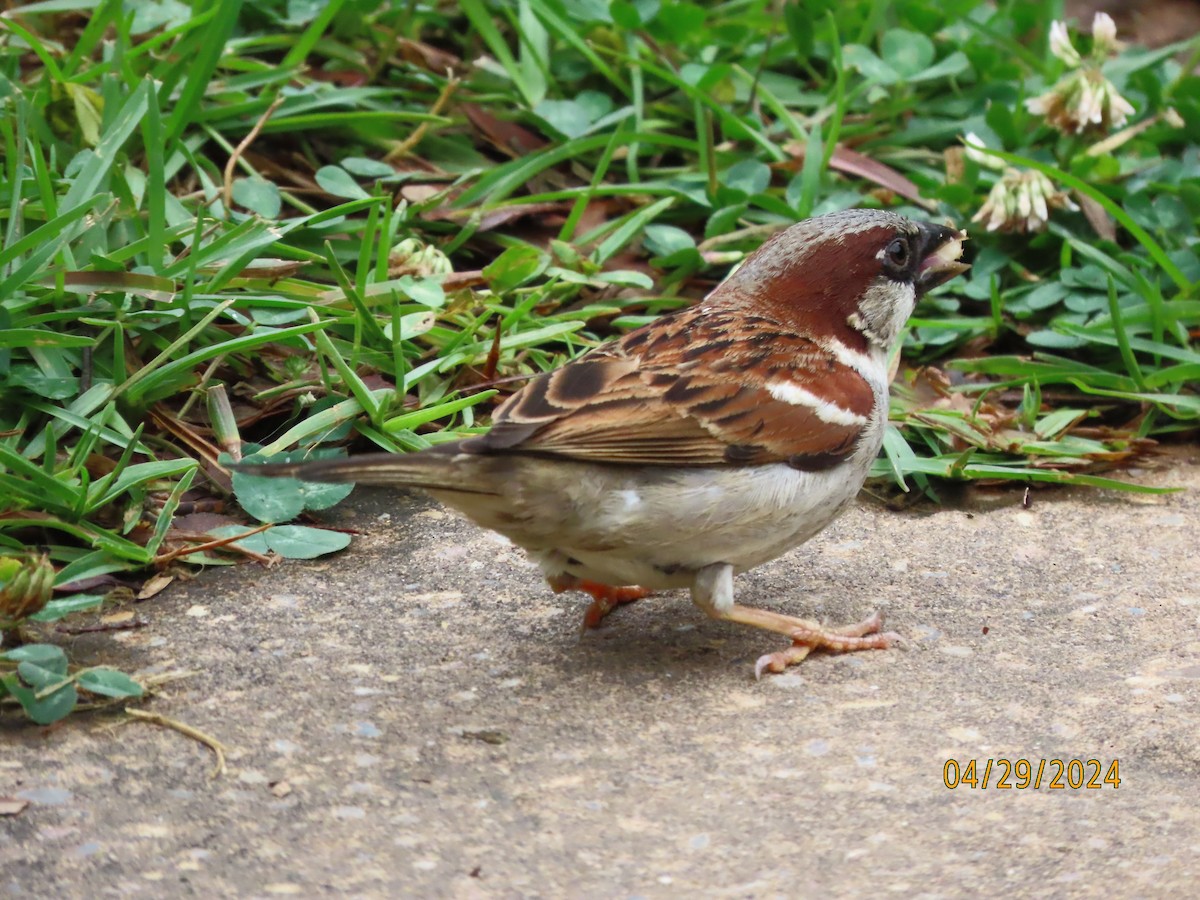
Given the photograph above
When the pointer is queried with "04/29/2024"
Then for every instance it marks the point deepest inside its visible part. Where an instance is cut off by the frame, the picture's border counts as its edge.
(1003, 773)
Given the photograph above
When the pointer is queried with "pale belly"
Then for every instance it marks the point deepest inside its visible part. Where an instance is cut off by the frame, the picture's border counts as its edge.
(742, 518)
(656, 528)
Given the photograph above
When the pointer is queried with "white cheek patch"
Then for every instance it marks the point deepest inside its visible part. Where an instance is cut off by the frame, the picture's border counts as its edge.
(883, 310)
(793, 394)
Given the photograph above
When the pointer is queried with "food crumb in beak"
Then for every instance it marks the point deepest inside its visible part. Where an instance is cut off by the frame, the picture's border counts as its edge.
(948, 252)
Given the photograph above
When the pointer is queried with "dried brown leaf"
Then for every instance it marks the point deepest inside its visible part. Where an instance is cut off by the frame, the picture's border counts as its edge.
(1097, 217)
(501, 216)
(340, 77)
(508, 137)
(854, 163)
(154, 584)
(419, 193)
(421, 54)
(457, 281)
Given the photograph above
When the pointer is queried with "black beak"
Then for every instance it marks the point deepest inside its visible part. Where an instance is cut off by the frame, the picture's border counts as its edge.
(941, 248)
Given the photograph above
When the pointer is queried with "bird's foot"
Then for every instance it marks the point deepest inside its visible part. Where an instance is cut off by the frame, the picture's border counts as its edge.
(865, 635)
(605, 597)
(712, 591)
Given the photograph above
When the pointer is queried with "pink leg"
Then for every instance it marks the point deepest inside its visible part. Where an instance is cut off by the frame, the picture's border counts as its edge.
(605, 597)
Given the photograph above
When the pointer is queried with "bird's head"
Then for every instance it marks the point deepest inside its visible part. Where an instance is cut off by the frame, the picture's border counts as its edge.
(851, 276)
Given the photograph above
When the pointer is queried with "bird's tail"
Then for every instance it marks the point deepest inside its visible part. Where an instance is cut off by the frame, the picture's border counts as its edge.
(445, 467)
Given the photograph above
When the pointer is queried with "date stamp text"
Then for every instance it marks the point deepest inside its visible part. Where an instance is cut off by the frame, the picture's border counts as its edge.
(1001, 773)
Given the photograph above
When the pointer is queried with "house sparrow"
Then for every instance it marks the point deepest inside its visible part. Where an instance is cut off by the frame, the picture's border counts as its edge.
(705, 443)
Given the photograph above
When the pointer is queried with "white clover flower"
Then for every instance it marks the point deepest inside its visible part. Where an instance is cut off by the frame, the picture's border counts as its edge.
(1021, 201)
(412, 257)
(1118, 108)
(1104, 36)
(1061, 46)
(1083, 99)
(974, 148)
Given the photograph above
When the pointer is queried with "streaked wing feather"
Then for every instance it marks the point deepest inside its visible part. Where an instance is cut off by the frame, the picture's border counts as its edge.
(657, 397)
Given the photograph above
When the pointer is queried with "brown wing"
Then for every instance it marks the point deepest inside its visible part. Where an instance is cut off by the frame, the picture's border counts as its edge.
(692, 389)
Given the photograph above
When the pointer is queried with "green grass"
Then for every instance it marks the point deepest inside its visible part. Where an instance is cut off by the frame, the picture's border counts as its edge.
(311, 225)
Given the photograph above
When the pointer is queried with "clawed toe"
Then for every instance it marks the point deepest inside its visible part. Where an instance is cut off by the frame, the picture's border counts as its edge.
(605, 597)
(606, 600)
(870, 625)
(776, 663)
(840, 642)
(864, 635)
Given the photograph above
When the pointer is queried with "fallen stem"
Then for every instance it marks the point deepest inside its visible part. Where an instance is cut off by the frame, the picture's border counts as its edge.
(242, 148)
(165, 558)
(402, 148)
(195, 734)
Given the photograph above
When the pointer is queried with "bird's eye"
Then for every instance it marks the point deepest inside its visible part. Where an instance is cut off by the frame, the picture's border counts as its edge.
(897, 253)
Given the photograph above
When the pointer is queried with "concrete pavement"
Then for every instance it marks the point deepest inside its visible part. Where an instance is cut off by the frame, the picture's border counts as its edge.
(418, 717)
